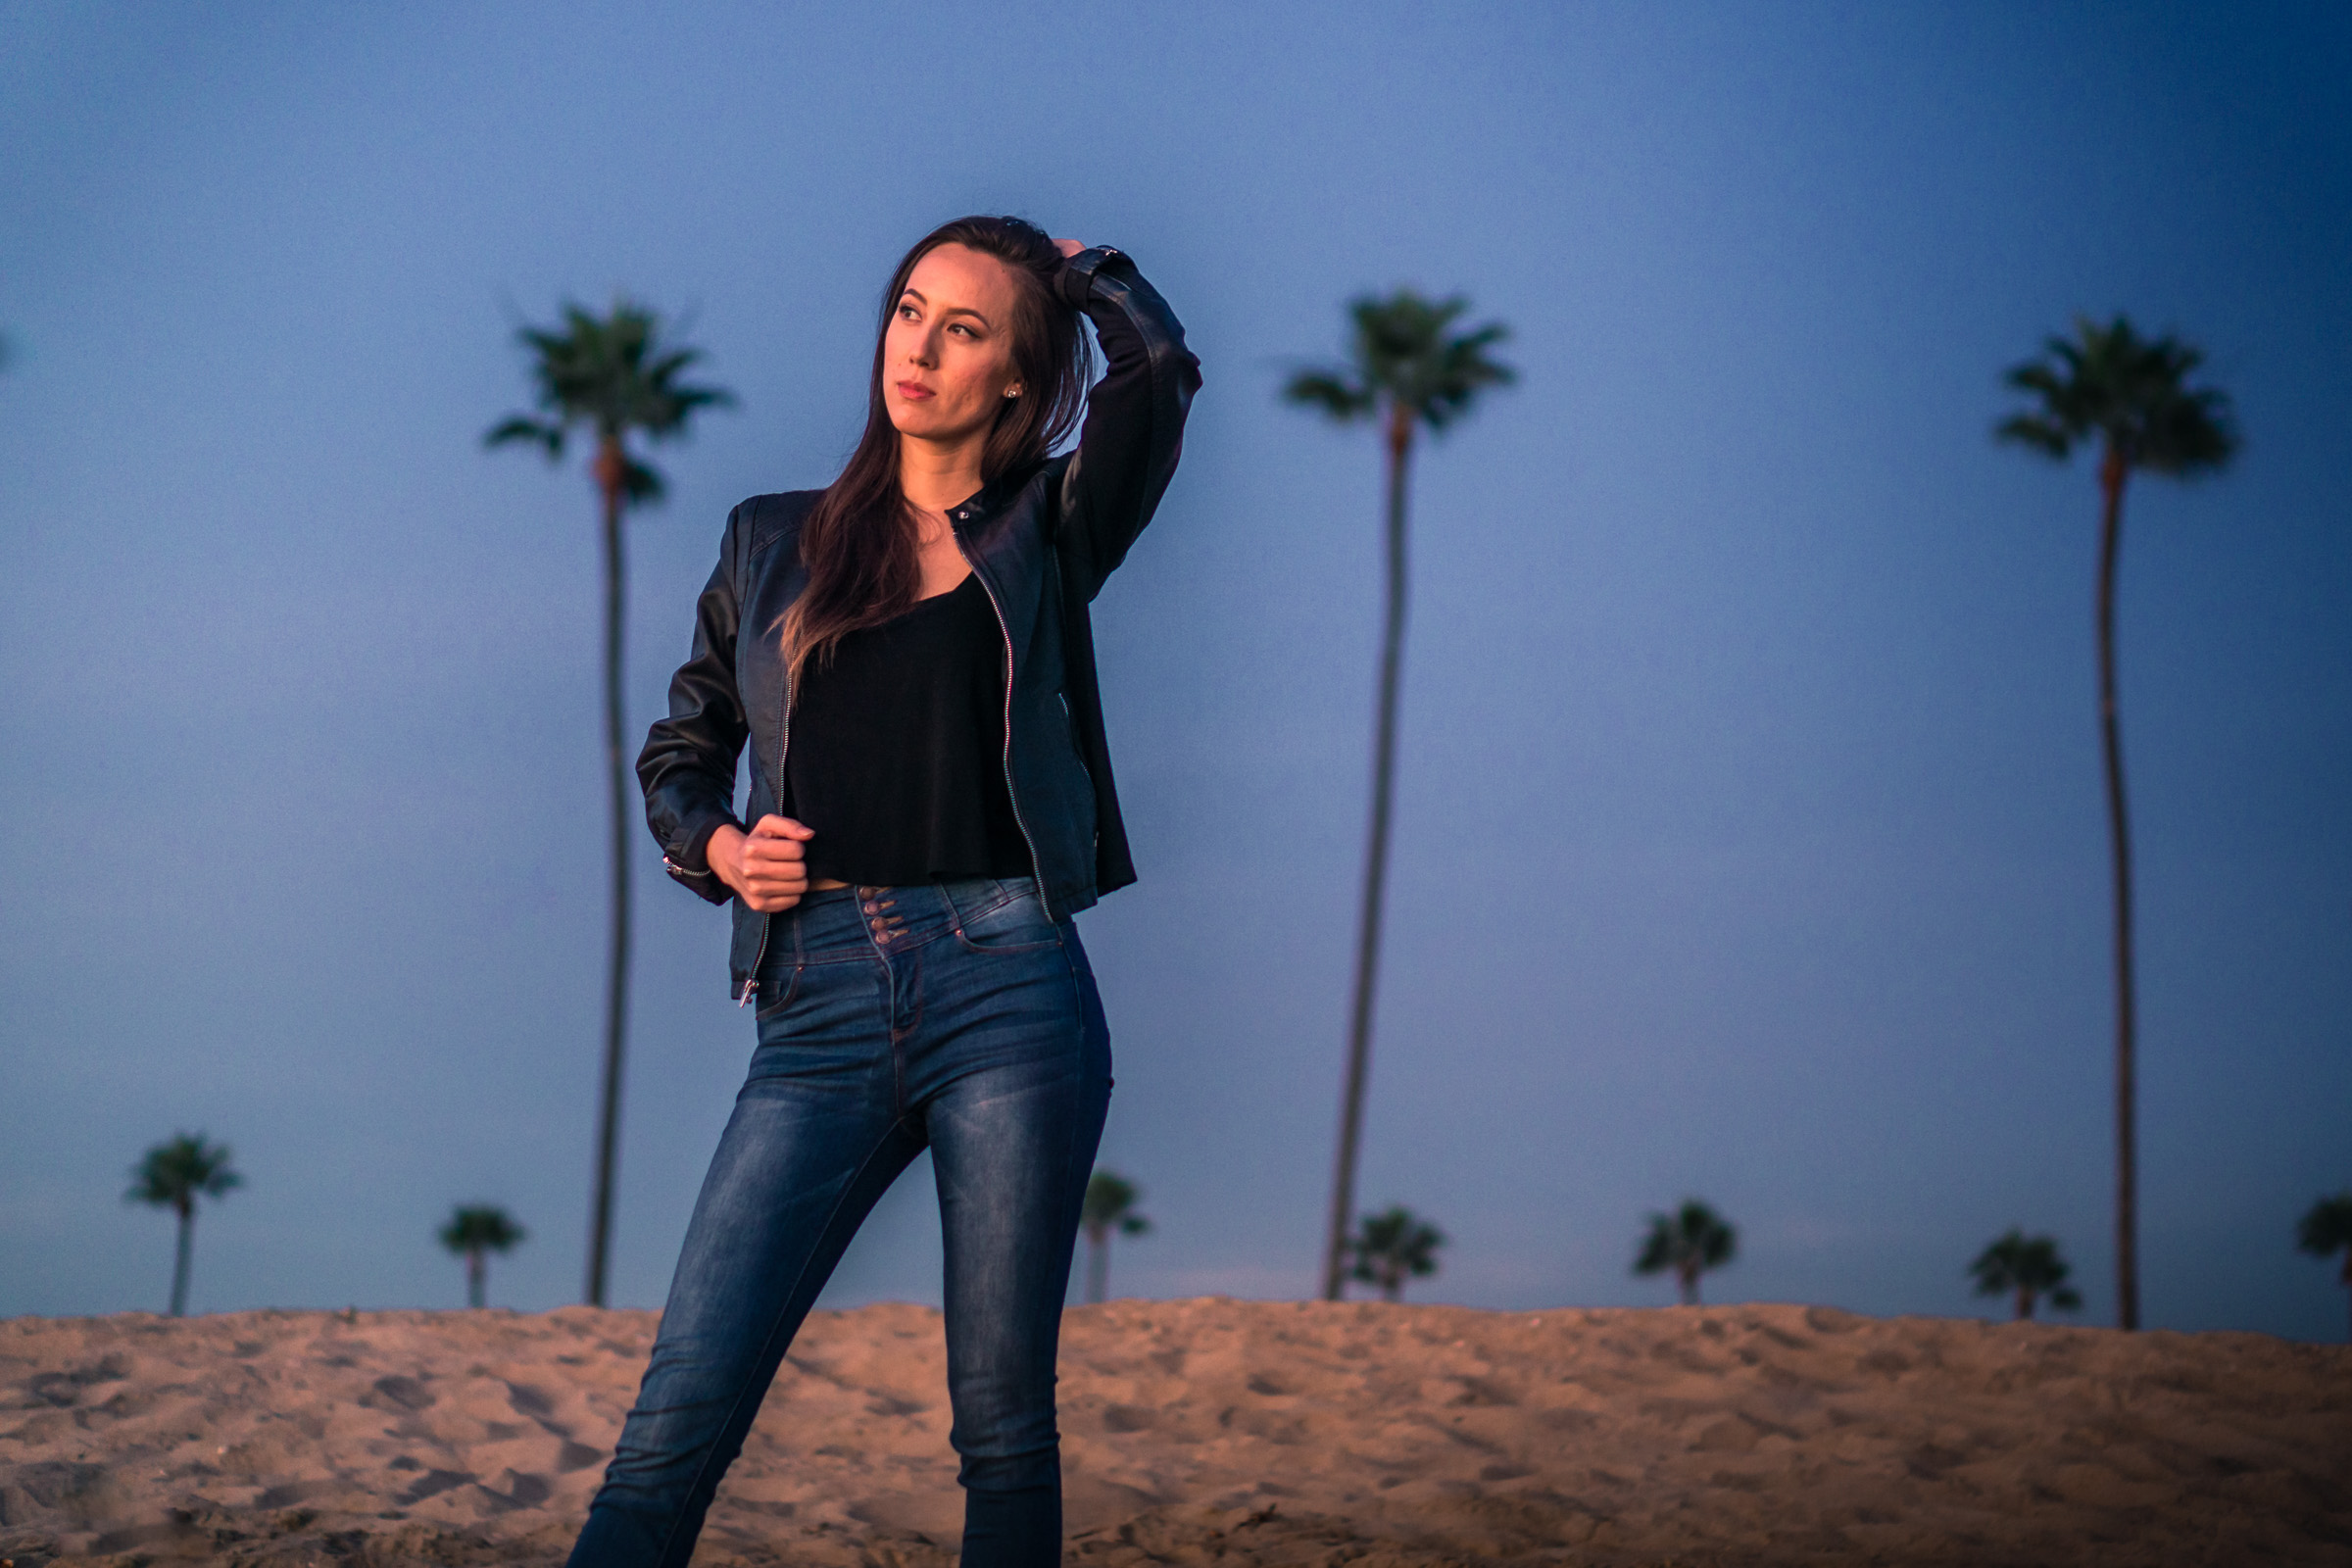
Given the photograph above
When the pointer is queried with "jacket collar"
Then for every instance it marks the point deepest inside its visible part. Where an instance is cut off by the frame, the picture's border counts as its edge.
(992, 497)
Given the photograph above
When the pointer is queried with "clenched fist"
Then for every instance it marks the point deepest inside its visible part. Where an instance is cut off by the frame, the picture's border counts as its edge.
(767, 867)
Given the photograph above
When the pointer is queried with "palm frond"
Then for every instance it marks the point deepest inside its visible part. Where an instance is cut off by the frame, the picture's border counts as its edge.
(1109, 1204)
(641, 483)
(1330, 391)
(1404, 352)
(2130, 391)
(1693, 1236)
(2016, 1262)
(174, 1174)
(2326, 1228)
(1392, 1247)
(2041, 433)
(523, 427)
(614, 374)
(481, 1228)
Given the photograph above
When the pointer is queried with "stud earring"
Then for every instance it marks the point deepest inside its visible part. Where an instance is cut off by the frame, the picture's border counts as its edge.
(1012, 391)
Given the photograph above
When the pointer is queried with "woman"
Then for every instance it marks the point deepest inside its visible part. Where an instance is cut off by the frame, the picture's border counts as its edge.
(906, 653)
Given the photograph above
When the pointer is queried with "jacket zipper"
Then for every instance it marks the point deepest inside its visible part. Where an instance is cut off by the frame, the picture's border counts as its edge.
(1004, 629)
(767, 922)
(750, 986)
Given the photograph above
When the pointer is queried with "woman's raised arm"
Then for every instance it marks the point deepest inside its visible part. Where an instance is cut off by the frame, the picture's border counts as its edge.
(1134, 415)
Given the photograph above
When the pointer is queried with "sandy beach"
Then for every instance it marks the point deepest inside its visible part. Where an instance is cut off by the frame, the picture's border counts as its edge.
(1205, 1431)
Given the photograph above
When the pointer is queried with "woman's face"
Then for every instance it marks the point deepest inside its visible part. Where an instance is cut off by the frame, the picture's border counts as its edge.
(947, 357)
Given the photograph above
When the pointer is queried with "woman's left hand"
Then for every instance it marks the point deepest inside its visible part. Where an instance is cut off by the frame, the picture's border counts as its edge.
(1068, 248)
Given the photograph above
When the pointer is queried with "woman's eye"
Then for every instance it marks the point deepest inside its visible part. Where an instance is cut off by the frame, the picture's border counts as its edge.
(906, 313)
(960, 328)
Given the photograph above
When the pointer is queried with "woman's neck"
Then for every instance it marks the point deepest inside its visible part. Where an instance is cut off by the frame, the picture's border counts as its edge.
(936, 475)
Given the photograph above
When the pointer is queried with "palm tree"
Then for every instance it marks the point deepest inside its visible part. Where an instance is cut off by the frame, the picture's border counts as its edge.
(474, 1231)
(2327, 1230)
(1688, 1241)
(2132, 395)
(174, 1175)
(613, 374)
(1407, 368)
(2025, 1268)
(1392, 1247)
(1110, 1206)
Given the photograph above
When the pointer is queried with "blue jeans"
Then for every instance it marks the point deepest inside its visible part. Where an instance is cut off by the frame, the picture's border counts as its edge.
(955, 1016)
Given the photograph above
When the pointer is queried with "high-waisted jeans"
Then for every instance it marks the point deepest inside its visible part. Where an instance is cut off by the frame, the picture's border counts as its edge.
(953, 1017)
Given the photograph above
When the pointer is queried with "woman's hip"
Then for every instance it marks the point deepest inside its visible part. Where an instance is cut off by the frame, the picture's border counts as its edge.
(936, 981)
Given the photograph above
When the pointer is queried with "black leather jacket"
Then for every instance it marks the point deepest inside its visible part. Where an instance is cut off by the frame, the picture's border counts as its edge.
(1041, 541)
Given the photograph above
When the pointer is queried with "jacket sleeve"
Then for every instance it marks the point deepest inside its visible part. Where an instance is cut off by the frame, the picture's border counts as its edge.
(688, 765)
(1134, 415)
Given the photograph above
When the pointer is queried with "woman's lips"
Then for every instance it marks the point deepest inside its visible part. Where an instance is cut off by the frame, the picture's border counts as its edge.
(913, 391)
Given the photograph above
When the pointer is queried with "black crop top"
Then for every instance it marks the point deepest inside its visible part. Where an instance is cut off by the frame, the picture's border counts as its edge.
(897, 757)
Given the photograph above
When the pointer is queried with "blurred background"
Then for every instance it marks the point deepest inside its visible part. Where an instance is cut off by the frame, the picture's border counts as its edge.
(1750, 839)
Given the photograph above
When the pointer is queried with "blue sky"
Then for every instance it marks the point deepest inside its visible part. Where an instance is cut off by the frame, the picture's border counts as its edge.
(1750, 839)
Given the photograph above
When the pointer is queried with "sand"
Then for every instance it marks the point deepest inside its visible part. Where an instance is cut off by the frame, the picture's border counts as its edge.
(1206, 1430)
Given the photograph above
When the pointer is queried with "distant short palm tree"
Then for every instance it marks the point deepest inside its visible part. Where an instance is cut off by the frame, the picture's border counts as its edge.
(2327, 1230)
(174, 1175)
(2025, 1268)
(1407, 367)
(1687, 1243)
(613, 374)
(1109, 1207)
(1392, 1247)
(2133, 396)
(474, 1231)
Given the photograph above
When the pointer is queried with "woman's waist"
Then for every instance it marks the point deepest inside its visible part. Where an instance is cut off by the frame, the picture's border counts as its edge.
(865, 921)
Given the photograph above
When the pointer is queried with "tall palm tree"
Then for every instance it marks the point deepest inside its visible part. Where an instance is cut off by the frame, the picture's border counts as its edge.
(1407, 368)
(1108, 1206)
(174, 1175)
(2327, 1230)
(1687, 1243)
(2025, 1268)
(613, 374)
(1392, 1247)
(2133, 396)
(474, 1231)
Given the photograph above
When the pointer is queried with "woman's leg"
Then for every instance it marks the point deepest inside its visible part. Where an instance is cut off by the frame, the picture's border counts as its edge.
(814, 1138)
(1013, 1128)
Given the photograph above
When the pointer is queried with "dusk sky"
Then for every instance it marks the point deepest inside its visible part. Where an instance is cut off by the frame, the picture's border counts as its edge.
(1749, 840)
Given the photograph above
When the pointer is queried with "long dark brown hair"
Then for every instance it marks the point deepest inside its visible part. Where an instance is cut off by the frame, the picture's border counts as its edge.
(859, 542)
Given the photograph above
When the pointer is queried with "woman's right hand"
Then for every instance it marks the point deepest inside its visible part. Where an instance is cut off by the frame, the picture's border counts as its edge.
(767, 867)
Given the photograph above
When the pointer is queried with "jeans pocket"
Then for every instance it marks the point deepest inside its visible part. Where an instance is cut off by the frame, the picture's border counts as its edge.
(1012, 920)
(777, 987)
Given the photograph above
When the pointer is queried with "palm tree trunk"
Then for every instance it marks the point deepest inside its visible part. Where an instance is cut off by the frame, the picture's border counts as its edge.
(1098, 1268)
(2024, 1303)
(609, 466)
(476, 1271)
(2112, 472)
(1376, 862)
(180, 1259)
